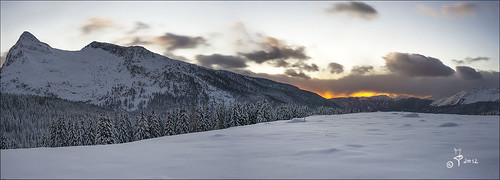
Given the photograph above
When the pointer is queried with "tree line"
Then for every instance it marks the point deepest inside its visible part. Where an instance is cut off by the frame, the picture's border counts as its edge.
(178, 120)
(31, 121)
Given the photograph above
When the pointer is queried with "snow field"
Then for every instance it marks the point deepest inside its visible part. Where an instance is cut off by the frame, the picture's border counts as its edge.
(360, 145)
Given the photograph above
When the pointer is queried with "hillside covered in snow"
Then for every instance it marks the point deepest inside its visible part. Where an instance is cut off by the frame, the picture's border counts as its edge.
(132, 78)
(470, 96)
(359, 145)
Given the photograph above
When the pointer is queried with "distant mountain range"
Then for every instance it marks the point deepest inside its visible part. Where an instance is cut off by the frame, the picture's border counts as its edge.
(473, 101)
(132, 78)
(381, 103)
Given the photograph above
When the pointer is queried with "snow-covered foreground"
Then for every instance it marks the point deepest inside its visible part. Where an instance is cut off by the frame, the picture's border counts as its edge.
(362, 145)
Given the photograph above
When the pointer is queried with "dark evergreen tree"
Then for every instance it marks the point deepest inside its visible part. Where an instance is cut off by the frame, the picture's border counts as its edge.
(53, 134)
(239, 116)
(182, 124)
(71, 134)
(90, 133)
(220, 112)
(125, 132)
(105, 130)
(169, 123)
(142, 128)
(195, 119)
(154, 125)
(81, 134)
(206, 119)
(215, 124)
(61, 133)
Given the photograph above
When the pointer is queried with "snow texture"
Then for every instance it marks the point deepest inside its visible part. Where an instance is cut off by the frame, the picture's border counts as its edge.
(297, 120)
(470, 96)
(361, 145)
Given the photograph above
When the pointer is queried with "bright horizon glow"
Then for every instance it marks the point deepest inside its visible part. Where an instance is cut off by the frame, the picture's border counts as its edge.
(329, 95)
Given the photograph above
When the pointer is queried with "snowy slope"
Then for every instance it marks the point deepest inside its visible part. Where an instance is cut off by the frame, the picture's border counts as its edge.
(131, 77)
(361, 145)
(470, 96)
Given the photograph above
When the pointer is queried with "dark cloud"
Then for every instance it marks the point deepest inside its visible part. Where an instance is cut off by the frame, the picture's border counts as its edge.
(310, 68)
(450, 11)
(96, 24)
(139, 26)
(468, 73)
(335, 68)
(137, 41)
(303, 66)
(416, 65)
(437, 87)
(173, 41)
(469, 60)
(176, 57)
(458, 61)
(227, 62)
(354, 9)
(293, 73)
(275, 50)
(276, 53)
(280, 63)
(360, 70)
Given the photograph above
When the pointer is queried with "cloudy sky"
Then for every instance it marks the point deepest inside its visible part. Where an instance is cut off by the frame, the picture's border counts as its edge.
(421, 49)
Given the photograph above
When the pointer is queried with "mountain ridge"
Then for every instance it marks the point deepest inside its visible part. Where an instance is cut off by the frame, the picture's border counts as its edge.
(130, 78)
(470, 96)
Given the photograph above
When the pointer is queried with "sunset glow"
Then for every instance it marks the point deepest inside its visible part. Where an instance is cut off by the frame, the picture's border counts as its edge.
(329, 94)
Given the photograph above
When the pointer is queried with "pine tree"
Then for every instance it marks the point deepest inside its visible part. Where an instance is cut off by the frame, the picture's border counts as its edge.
(125, 132)
(194, 119)
(53, 134)
(220, 112)
(71, 134)
(142, 128)
(154, 125)
(214, 119)
(230, 119)
(206, 119)
(252, 111)
(169, 123)
(182, 124)
(61, 133)
(105, 130)
(81, 134)
(90, 133)
(239, 116)
(267, 111)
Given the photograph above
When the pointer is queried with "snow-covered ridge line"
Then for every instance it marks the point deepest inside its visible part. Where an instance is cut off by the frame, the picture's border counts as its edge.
(470, 96)
(132, 78)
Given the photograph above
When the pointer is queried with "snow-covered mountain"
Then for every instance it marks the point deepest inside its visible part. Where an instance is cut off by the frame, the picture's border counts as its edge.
(131, 78)
(470, 96)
